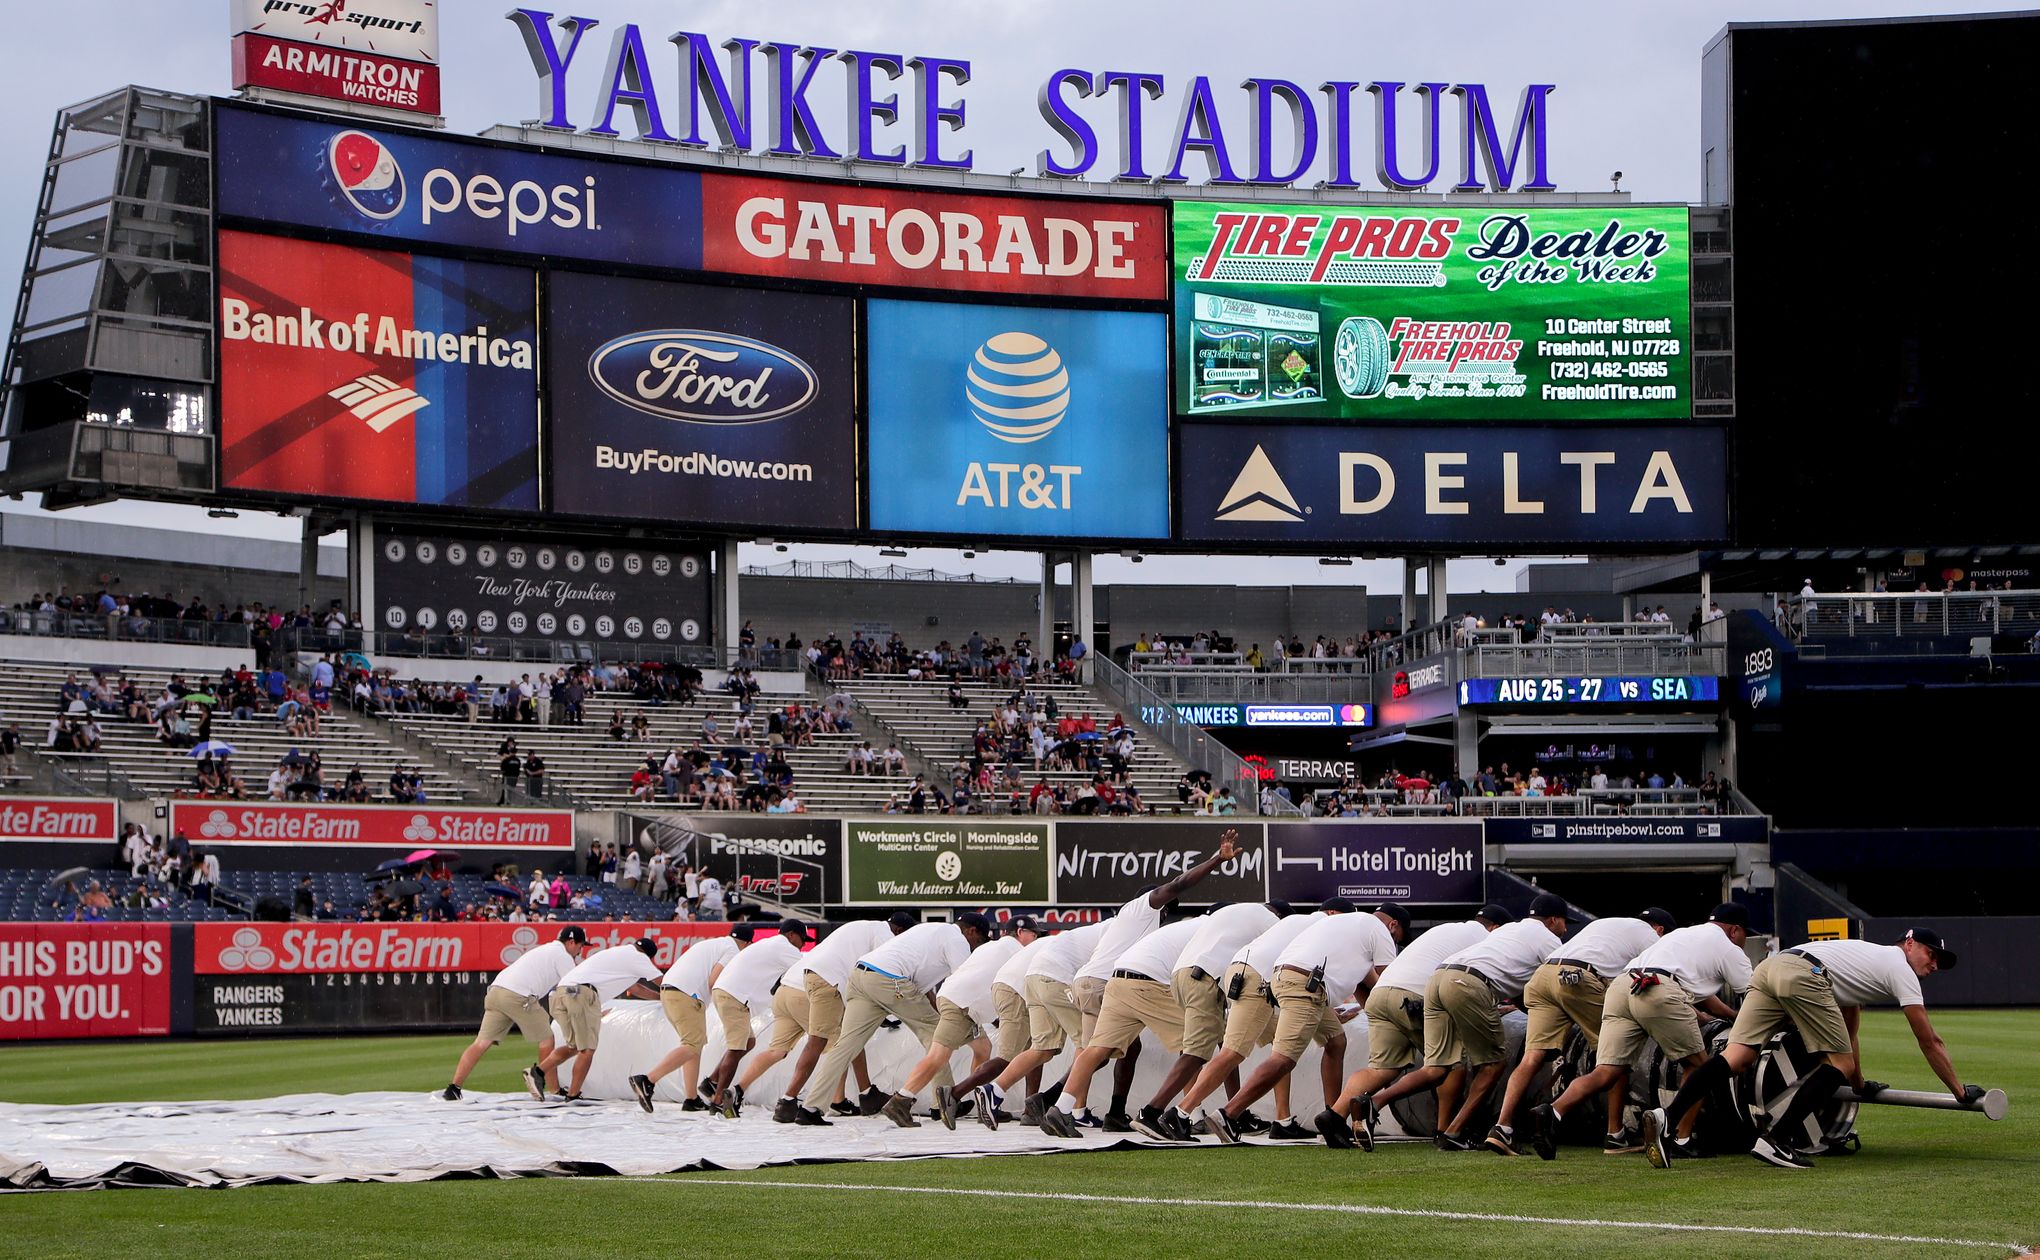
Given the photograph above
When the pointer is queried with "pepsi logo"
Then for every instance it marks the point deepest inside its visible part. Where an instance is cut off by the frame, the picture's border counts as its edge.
(702, 377)
(366, 174)
(1017, 387)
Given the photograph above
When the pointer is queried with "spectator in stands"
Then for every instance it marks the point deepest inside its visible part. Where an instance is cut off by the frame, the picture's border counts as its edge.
(534, 774)
(511, 768)
(559, 892)
(710, 907)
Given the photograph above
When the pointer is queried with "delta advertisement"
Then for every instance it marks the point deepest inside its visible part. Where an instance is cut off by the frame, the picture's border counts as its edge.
(238, 824)
(1016, 421)
(1452, 314)
(687, 404)
(545, 586)
(1423, 863)
(1589, 489)
(85, 980)
(421, 189)
(1108, 864)
(363, 374)
(926, 238)
(928, 860)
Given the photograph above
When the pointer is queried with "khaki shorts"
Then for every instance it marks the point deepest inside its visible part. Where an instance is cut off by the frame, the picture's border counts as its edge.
(1301, 1017)
(1461, 1021)
(1395, 1033)
(1131, 1005)
(1052, 1016)
(789, 1018)
(503, 1010)
(1203, 1011)
(1088, 992)
(1554, 1006)
(1662, 1013)
(954, 1028)
(1250, 1023)
(1013, 1030)
(686, 1015)
(825, 1007)
(579, 1012)
(735, 1018)
(1791, 989)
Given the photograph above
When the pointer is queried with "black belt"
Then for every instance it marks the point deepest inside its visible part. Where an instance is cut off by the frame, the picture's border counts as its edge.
(1650, 971)
(673, 988)
(1796, 952)
(1469, 971)
(1574, 962)
(574, 988)
(1123, 974)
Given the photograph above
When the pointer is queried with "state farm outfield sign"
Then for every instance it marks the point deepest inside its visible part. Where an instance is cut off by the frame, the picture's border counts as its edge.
(27, 819)
(211, 823)
(264, 949)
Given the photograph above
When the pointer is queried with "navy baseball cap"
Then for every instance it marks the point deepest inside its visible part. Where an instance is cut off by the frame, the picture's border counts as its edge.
(1023, 923)
(971, 918)
(901, 920)
(1396, 912)
(647, 946)
(1495, 913)
(1546, 904)
(794, 927)
(1337, 905)
(1660, 917)
(743, 931)
(1282, 909)
(1733, 913)
(573, 934)
(1932, 940)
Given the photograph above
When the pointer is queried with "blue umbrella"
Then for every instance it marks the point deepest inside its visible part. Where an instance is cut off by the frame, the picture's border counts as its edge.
(211, 748)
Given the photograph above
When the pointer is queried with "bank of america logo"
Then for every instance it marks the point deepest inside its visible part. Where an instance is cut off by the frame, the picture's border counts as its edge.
(379, 400)
(1258, 494)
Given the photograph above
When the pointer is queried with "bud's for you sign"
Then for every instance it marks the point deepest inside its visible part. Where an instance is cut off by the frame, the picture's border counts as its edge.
(934, 862)
(703, 406)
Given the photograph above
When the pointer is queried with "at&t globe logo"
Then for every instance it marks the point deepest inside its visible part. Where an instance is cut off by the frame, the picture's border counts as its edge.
(366, 175)
(1017, 387)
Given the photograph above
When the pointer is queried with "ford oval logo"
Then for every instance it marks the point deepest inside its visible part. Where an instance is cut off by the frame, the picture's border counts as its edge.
(700, 377)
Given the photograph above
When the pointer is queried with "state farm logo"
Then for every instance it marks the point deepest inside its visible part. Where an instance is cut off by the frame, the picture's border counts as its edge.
(366, 175)
(247, 953)
(218, 826)
(522, 942)
(420, 829)
(700, 377)
(1017, 387)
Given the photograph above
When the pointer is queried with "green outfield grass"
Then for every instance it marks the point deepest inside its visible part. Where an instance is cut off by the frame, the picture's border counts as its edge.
(1920, 1174)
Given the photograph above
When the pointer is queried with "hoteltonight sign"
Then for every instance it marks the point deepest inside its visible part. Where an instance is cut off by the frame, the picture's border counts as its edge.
(766, 98)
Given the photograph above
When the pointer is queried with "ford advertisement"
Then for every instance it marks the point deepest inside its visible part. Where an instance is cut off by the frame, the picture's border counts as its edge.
(1017, 422)
(696, 405)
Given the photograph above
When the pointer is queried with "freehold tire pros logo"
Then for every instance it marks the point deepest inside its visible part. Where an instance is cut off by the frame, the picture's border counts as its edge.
(1017, 387)
(700, 377)
(366, 175)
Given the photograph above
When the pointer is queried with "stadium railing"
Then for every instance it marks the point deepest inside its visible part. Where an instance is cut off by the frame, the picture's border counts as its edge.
(1915, 614)
(1198, 749)
(1172, 662)
(1588, 657)
(106, 627)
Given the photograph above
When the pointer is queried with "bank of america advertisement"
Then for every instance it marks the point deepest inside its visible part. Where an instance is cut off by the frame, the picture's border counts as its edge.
(365, 374)
(1515, 487)
(1453, 314)
(1013, 421)
(700, 405)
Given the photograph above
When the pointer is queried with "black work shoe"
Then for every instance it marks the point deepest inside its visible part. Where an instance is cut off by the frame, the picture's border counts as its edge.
(845, 1107)
(733, 1102)
(1221, 1126)
(987, 1111)
(1778, 1154)
(872, 1101)
(945, 1106)
(1177, 1126)
(964, 1106)
(1150, 1124)
(783, 1111)
(1118, 1122)
(1451, 1142)
(451, 1093)
(694, 1104)
(1544, 1131)
(900, 1110)
(1333, 1128)
(1290, 1131)
(1059, 1123)
(1031, 1114)
(706, 1093)
(1626, 1141)
(1501, 1141)
(534, 1082)
(1656, 1139)
(809, 1116)
(1250, 1124)
(641, 1087)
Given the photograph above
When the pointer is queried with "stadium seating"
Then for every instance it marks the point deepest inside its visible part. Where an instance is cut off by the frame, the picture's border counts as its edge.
(27, 893)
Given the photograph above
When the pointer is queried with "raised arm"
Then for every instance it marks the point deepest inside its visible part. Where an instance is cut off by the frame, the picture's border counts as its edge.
(1226, 851)
(1934, 1050)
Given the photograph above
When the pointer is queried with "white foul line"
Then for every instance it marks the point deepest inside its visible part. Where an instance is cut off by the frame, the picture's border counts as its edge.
(1354, 1209)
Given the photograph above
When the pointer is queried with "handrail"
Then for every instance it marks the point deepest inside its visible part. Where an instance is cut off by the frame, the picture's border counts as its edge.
(1191, 743)
(1913, 614)
(1589, 657)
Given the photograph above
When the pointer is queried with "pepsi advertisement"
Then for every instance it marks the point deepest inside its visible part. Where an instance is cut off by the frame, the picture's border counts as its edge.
(365, 374)
(1018, 422)
(695, 405)
(418, 189)
(1585, 489)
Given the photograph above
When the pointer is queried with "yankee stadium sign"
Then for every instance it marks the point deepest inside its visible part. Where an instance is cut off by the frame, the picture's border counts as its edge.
(766, 98)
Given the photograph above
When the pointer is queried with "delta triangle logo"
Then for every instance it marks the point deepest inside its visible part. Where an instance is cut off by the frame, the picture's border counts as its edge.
(1258, 494)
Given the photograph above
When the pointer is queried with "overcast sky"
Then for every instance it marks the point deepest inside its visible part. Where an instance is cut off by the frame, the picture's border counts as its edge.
(1627, 75)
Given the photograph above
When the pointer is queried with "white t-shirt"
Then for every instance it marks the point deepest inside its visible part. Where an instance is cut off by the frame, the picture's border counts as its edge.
(613, 970)
(749, 976)
(840, 950)
(1607, 945)
(711, 893)
(1701, 958)
(970, 986)
(1348, 945)
(689, 972)
(1066, 951)
(1155, 954)
(1220, 934)
(1509, 954)
(1867, 975)
(1134, 921)
(536, 971)
(927, 954)
(1412, 968)
(1013, 972)
(1261, 952)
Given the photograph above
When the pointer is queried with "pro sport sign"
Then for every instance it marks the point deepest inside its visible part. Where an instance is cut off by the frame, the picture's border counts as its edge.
(383, 53)
(241, 823)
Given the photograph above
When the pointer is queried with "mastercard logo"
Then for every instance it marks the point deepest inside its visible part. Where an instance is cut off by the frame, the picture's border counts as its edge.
(366, 174)
(1352, 715)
